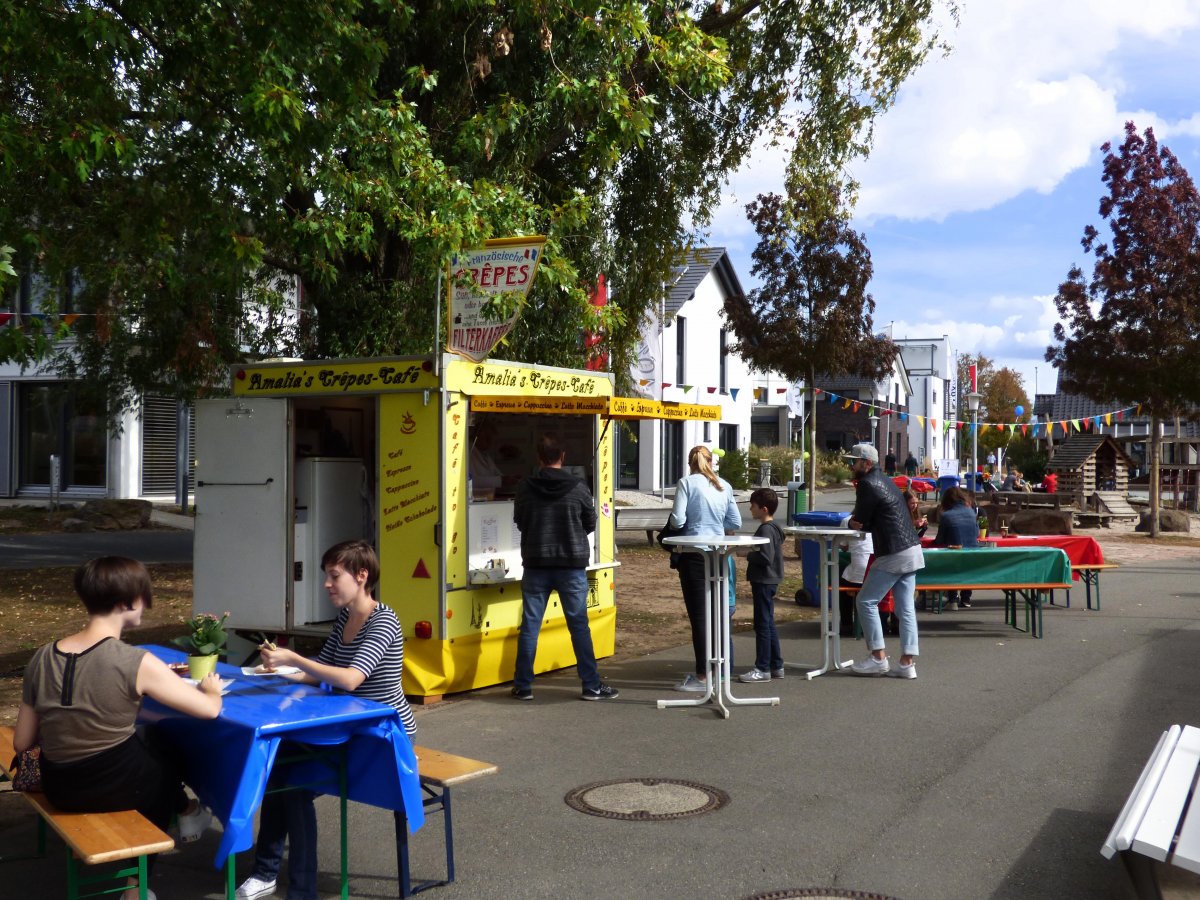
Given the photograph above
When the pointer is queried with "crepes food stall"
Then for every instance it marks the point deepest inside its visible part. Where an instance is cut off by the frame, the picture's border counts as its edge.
(421, 456)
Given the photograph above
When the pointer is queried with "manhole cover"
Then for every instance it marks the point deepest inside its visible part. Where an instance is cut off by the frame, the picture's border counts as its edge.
(819, 894)
(646, 799)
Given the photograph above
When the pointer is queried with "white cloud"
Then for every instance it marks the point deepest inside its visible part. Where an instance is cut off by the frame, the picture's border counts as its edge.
(1014, 332)
(1026, 97)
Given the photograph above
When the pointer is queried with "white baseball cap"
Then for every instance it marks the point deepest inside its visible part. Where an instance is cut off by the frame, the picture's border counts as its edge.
(863, 451)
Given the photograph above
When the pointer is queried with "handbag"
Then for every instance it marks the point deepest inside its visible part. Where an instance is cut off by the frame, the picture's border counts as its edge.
(28, 774)
(669, 530)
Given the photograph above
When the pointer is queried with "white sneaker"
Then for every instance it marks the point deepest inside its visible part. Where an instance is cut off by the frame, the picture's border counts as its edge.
(952, 606)
(192, 825)
(754, 675)
(871, 666)
(692, 684)
(903, 671)
(253, 888)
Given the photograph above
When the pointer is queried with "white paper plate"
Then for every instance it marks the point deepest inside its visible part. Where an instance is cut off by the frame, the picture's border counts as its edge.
(281, 670)
(226, 683)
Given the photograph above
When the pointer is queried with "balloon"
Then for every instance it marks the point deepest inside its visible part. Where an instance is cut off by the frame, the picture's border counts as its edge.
(1020, 410)
(806, 454)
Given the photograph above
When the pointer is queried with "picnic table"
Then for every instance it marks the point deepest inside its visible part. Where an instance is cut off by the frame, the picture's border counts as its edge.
(1085, 554)
(1026, 572)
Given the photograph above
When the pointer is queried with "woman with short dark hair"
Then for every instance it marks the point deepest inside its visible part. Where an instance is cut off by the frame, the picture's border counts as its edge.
(80, 702)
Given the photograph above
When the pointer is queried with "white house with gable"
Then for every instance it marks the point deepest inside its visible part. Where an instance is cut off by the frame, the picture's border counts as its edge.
(685, 356)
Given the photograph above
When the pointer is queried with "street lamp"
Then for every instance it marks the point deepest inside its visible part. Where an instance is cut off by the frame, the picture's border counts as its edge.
(874, 420)
(973, 406)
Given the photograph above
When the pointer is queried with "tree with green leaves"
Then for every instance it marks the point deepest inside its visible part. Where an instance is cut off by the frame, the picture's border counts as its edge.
(1131, 333)
(812, 314)
(228, 179)
(1001, 391)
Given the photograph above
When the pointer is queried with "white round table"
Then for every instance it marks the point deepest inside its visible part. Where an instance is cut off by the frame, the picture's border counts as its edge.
(716, 549)
(831, 609)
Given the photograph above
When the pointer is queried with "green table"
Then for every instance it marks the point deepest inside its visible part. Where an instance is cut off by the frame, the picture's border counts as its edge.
(1028, 572)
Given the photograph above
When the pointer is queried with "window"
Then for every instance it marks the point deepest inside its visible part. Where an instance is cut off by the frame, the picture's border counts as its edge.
(54, 420)
(723, 359)
(680, 349)
(728, 437)
(707, 432)
(673, 451)
(160, 445)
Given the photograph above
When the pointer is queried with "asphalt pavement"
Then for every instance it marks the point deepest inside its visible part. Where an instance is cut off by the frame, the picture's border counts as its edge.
(995, 774)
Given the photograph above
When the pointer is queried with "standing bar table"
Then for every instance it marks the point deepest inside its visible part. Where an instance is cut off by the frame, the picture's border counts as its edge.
(831, 610)
(716, 549)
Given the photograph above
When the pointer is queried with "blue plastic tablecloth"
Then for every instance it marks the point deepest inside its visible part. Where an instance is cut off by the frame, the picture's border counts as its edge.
(227, 759)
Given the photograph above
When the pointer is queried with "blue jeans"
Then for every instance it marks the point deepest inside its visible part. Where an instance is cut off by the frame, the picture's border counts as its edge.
(767, 655)
(289, 816)
(572, 588)
(903, 588)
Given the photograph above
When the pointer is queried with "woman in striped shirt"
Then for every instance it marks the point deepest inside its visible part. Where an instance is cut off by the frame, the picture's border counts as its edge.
(364, 654)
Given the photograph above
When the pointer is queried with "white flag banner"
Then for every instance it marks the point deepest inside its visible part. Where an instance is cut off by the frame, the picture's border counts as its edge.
(646, 370)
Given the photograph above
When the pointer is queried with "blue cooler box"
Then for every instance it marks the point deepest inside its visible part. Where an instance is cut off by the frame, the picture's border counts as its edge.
(810, 554)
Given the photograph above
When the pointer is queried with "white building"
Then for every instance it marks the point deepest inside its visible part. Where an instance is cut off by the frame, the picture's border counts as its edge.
(685, 356)
(932, 371)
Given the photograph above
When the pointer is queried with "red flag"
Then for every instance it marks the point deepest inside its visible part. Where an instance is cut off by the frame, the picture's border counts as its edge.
(597, 358)
(974, 379)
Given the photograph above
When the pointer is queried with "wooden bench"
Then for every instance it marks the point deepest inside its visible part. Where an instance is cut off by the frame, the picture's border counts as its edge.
(92, 838)
(1026, 500)
(1089, 574)
(638, 519)
(1159, 823)
(439, 772)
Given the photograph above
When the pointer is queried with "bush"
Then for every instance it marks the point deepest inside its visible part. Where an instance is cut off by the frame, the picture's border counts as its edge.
(733, 468)
(781, 462)
(832, 467)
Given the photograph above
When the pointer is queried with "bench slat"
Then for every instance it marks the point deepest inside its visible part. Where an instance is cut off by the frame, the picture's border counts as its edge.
(1127, 822)
(441, 768)
(94, 837)
(103, 837)
(1157, 829)
(1187, 848)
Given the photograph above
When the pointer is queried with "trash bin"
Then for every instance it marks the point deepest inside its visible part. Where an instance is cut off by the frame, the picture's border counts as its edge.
(797, 500)
(972, 481)
(809, 550)
(945, 482)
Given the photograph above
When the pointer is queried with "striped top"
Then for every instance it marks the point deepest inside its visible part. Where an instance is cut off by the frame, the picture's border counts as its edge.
(378, 652)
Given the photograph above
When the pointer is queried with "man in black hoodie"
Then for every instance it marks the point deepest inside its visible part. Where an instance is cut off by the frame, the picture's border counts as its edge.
(555, 513)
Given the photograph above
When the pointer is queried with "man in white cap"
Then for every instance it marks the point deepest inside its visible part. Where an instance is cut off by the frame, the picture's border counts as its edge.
(879, 508)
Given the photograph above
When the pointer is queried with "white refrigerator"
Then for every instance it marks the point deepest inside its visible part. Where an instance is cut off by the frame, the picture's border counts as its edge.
(332, 505)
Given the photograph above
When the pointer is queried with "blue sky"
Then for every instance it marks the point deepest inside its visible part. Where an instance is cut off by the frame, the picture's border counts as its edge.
(987, 169)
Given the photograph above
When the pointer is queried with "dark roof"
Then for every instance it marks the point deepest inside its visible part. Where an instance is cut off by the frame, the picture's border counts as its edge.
(695, 267)
(1065, 407)
(1076, 450)
(846, 383)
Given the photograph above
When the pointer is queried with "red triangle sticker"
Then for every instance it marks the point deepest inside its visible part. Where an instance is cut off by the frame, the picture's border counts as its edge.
(420, 571)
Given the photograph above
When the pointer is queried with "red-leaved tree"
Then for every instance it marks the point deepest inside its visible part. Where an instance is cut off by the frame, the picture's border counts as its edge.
(1131, 333)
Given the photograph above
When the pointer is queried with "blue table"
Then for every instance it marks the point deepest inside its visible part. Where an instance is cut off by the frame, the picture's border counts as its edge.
(228, 759)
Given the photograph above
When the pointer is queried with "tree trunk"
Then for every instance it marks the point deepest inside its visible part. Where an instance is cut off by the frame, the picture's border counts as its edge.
(1155, 498)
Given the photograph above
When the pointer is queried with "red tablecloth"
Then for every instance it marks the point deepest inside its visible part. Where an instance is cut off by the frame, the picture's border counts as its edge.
(1080, 549)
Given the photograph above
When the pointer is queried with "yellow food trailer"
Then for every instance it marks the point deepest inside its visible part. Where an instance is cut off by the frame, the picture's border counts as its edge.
(421, 456)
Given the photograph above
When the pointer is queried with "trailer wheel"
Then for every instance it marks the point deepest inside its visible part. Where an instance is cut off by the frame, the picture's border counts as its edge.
(803, 597)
